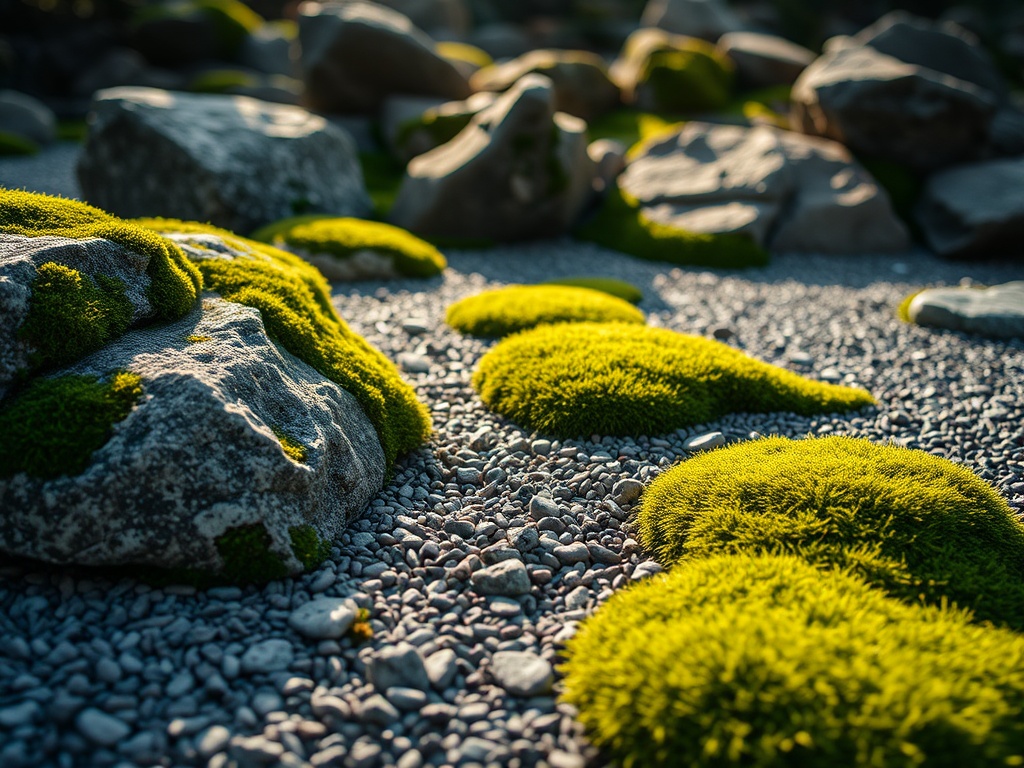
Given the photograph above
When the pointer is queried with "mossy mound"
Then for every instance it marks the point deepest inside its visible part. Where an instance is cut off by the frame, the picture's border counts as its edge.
(577, 379)
(519, 307)
(609, 285)
(916, 525)
(344, 238)
(766, 661)
(622, 226)
(73, 314)
(52, 427)
(295, 303)
(690, 77)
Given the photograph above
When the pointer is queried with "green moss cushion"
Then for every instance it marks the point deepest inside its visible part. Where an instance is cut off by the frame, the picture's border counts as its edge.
(690, 77)
(518, 307)
(294, 301)
(766, 661)
(618, 379)
(914, 524)
(620, 288)
(340, 243)
(622, 226)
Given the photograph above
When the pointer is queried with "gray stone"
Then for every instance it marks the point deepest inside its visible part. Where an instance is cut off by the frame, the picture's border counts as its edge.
(570, 554)
(378, 711)
(255, 750)
(274, 655)
(627, 490)
(707, 19)
(213, 740)
(325, 618)
(541, 507)
(524, 539)
(413, 125)
(398, 665)
(578, 598)
(101, 728)
(519, 170)
(765, 60)
(356, 54)
(406, 699)
(20, 714)
(997, 312)
(975, 210)
(26, 117)
(441, 668)
(508, 578)
(268, 50)
(441, 19)
(704, 442)
(522, 673)
(234, 161)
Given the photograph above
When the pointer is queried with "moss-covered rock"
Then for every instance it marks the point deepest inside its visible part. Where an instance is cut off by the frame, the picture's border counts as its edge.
(577, 379)
(224, 23)
(503, 311)
(354, 249)
(916, 525)
(609, 285)
(766, 661)
(468, 58)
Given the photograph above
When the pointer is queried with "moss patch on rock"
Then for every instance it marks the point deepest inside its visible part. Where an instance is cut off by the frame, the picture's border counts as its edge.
(231, 20)
(691, 77)
(503, 311)
(294, 301)
(579, 379)
(53, 426)
(622, 226)
(915, 525)
(766, 661)
(341, 238)
(463, 53)
(618, 288)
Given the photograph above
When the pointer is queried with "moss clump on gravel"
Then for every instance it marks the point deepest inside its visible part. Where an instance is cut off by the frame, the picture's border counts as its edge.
(519, 307)
(308, 547)
(73, 314)
(622, 226)
(248, 559)
(14, 144)
(295, 303)
(915, 525)
(766, 661)
(341, 238)
(618, 288)
(576, 379)
(53, 426)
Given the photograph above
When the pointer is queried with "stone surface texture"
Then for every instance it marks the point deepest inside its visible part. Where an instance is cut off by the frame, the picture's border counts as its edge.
(997, 311)
(765, 60)
(27, 117)
(707, 19)
(233, 161)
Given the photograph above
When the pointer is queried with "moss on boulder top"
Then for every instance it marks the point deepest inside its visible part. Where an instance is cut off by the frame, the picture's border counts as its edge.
(766, 661)
(294, 301)
(575, 379)
(503, 311)
(916, 525)
(352, 249)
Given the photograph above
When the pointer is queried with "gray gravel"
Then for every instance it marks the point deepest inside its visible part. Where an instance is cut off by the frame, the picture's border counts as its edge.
(225, 677)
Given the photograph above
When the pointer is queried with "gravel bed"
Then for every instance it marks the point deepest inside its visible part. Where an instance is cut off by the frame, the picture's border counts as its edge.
(488, 546)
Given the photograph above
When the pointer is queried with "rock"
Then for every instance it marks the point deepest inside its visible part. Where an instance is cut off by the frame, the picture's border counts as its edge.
(882, 107)
(274, 655)
(661, 72)
(627, 490)
(975, 210)
(268, 50)
(406, 699)
(704, 442)
(522, 673)
(707, 19)
(609, 158)
(765, 60)
(441, 19)
(501, 40)
(356, 54)
(441, 668)
(541, 507)
(230, 160)
(325, 618)
(21, 714)
(582, 85)
(570, 554)
(780, 189)
(212, 740)
(398, 666)
(508, 578)
(25, 117)
(518, 170)
(101, 728)
(997, 311)
(414, 125)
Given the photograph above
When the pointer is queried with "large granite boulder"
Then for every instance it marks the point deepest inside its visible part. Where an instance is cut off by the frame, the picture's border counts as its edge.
(234, 161)
(582, 85)
(923, 96)
(765, 60)
(356, 54)
(519, 170)
(26, 124)
(706, 19)
(996, 311)
(781, 190)
(975, 210)
(412, 125)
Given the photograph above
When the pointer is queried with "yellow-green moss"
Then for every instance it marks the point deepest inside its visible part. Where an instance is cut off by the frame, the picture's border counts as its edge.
(383, 176)
(308, 547)
(766, 661)
(194, 338)
(247, 557)
(916, 525)
(295, 303)
(292, 448)
(629, 126)
(221, 81)
(343, 237)
(15, 144)
(73, 314)
(691, 76)
(439, 127)
(903, 310)
(622, 226)
(464, 53)
(72, 130)
(576, 379)
(503, 311)
(53, 426)
(609, 285)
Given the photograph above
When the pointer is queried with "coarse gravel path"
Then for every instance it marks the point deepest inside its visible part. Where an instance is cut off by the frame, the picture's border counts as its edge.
(98, 672)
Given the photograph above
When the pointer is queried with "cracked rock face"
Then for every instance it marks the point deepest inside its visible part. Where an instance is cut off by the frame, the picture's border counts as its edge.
(201, 454)
(234, 161)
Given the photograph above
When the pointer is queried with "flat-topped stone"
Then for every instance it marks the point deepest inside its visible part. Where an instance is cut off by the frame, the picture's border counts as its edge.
(997, 311)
